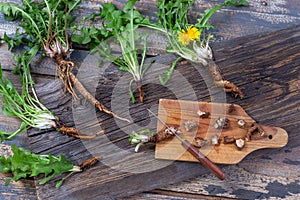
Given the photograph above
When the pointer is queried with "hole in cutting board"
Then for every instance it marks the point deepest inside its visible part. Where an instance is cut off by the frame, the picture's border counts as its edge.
(270, 137)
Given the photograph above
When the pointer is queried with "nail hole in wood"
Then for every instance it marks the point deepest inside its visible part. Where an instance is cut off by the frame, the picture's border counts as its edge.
(264, 3)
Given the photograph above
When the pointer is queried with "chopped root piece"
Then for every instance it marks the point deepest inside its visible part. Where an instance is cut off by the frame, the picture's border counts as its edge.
(199, 142)
(73, 132)
(215, 140)
(231, 109)
(222, 122)
(240, 143)
(241, 123)
(255, 129)
(228, 140)
(203, 114)
(255, 132)
(190, 125)
(89, 163)
(160, 136)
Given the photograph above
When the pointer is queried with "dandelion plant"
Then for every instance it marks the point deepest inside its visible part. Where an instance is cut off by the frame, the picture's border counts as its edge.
(46, 23)
(22, 164)
(26, 105)
(189, 41)
(127, 38)
(120, 25)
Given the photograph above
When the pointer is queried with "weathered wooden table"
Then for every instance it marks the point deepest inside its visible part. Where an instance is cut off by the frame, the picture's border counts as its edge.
(258, 48)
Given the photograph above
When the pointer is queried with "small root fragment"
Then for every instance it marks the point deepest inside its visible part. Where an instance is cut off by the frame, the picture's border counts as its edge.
(222, 123)
(215, 140)
(203, 114)
(230, 109)
(199, 142)
(240, 143)
(228, 140)
(89, 163)
(255, 132)
(190, 125)
(73, 132)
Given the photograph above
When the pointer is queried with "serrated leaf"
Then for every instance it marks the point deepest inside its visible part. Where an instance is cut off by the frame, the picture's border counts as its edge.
(129, 5)
(23, 163)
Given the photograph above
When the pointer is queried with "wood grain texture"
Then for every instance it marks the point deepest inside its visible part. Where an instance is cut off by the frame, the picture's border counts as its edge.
(269, 67)
(230, 22)
(275, 175)
(23, 189)
(259, 61)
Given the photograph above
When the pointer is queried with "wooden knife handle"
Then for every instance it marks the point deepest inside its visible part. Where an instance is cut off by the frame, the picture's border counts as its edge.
(203, 159)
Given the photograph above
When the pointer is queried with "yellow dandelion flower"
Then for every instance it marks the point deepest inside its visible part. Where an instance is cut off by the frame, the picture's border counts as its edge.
(193, 33)
(185, 36)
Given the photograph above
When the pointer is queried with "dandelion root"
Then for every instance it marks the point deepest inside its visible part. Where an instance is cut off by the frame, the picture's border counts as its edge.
(227, 85)
(73, 132)
(83, 91)
(69, 80)
(141, 93)
(89, 163)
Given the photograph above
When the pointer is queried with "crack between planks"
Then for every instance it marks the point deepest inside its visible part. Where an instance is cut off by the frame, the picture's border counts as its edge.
(186, 195)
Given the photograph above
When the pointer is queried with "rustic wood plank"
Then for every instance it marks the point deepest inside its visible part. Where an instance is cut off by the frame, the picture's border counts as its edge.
(258, 187)
(23, 189)
(257, 177)
(267, 86)
(257, 18)
(293, 84)
(167, 194)
(261, 70)
(266, 165)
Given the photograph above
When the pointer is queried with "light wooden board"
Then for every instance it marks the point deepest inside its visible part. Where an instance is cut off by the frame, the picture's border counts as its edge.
(177, 112)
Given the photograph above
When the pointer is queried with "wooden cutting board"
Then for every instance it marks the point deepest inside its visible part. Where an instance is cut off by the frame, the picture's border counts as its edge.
(177, 112)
